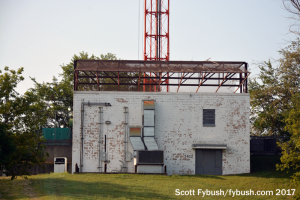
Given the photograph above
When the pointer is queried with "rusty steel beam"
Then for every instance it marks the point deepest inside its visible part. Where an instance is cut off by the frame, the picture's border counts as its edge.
(75, 80)
(118, 82)
(95, 72)
(201, 82)
(163, 77)
(188, 77)
(208, 77)
(139, 82)
(171, 84)
(230, 78)
(242, 82)
(159, 81)
(180, 82)
(112, 78)
(160, 66)
(98, 81)
(129, 77)
(91, 78)
(221, 83)
(116, 76)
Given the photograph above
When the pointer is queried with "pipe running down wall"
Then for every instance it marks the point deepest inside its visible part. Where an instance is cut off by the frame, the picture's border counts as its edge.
(126, 159)
(100, 134)
(82, 127)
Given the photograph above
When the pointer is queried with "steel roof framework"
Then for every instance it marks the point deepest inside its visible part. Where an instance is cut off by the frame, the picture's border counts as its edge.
(95, 74)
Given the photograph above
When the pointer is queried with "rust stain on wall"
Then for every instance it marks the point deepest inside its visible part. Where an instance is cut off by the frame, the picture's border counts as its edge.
(121, 100)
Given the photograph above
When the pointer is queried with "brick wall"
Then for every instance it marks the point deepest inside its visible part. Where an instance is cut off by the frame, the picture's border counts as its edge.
(178, 125)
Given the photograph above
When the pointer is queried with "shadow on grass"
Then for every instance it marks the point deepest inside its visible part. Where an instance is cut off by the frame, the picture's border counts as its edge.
(62, 188)
(270, 174)
(265, 167)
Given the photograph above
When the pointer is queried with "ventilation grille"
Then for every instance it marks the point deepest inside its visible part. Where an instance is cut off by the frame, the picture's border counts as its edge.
(150, 157)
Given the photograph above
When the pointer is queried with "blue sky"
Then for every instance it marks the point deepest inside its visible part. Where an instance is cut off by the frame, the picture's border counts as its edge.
(41, 35)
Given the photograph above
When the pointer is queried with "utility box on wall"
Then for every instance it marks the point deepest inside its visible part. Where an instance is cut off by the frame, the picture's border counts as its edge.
(60, 164)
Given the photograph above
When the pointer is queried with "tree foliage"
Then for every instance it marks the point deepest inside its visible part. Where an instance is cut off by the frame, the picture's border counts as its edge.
(20, 142)
(9, 97)
(7, 145)
(275, 103)
(291, 149)
(58, 95)
(266, 103)
(272, 91)
(57, 98)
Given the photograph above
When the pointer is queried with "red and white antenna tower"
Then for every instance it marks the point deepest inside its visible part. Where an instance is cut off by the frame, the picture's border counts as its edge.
(156, 33)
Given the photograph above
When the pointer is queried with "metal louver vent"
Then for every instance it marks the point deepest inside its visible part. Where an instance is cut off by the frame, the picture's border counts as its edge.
(208, 117)
(150, 157)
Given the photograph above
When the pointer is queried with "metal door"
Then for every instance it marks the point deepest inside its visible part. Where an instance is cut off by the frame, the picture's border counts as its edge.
(209, 161)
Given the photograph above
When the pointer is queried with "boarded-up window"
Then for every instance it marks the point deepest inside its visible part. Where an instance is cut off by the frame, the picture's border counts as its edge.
(208, 117)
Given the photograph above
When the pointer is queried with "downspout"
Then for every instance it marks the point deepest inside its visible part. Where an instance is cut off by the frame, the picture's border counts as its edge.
(100, 134)
(82, 124)
(81, 127)
(126, 137)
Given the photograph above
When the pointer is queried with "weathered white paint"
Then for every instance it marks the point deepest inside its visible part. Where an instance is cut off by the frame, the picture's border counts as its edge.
(178, 125)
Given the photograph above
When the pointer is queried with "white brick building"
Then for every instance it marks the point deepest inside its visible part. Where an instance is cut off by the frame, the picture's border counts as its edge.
(180, 131)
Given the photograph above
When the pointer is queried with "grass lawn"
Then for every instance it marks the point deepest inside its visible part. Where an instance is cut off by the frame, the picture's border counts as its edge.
(134, 186)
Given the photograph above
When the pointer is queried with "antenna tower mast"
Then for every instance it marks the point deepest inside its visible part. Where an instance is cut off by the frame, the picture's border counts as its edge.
(156, 37)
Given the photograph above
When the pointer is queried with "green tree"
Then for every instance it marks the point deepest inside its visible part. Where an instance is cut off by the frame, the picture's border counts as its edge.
(291, 149)
(58, 101)
(7, 146)
(275, 103)
(10, 99)
(272, 91)
(266, 112)
(58, 95)
(19, 123)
